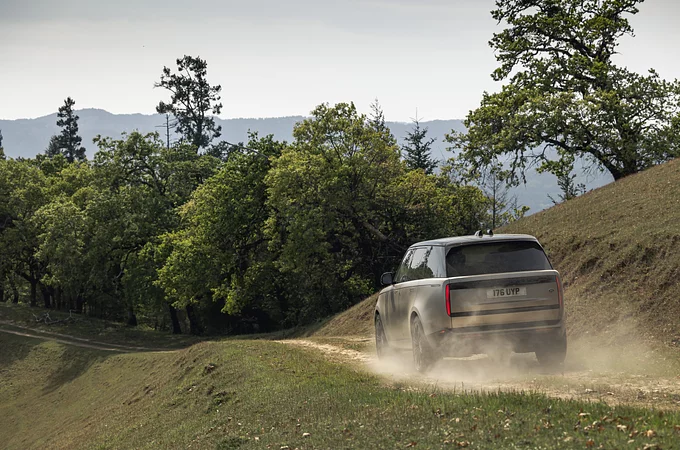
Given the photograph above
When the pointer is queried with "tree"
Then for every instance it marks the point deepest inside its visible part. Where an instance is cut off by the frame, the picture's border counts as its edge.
(191, 100)
(22, 194)
(565, 96)
(503, 207)
(67, 142)
(493, 181)
(417, 149)
(563, 169)
(2, 150)
(142, 184)
(222, 254)
(377, 118)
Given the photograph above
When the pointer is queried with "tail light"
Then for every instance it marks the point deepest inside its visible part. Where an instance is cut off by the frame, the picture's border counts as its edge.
(559, 291)
(448, 299)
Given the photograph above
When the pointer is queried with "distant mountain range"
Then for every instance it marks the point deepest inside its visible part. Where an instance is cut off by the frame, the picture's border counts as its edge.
(29, 137)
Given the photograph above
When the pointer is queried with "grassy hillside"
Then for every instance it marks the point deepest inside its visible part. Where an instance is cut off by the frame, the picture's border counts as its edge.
(262, 394)
(618, 249)
(356, 321)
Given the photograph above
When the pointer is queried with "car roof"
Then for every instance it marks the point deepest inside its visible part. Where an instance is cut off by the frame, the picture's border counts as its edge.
(461, 240)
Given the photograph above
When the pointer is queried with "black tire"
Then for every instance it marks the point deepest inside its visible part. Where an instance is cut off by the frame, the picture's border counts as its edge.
(552, 354)
(423, 354)
(381, 345)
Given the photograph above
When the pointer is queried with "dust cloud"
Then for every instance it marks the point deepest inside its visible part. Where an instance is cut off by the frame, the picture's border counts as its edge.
(622, 370)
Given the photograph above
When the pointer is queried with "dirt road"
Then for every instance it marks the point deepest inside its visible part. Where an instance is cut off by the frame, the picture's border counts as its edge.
(17, 330)
(616, 376)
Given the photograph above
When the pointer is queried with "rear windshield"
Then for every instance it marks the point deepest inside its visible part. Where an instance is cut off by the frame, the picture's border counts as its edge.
(495, 257)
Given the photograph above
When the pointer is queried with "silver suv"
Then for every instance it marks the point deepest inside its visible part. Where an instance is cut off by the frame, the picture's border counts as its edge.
(465, 295)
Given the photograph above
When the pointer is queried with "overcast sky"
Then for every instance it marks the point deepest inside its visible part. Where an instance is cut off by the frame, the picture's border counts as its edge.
(274, 57)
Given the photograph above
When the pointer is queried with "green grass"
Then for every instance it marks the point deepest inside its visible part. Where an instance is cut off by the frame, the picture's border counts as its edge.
(618, 250)
(260, 394)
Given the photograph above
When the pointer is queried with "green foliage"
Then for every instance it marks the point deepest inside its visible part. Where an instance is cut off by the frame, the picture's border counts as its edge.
(22, 194)
(564, 93)
(418, 148)
(563, 169)
(220, 254)
(270, 234)
(344, 208)
(191, 100)
(2, 150)
(494, 182)
(68, 141)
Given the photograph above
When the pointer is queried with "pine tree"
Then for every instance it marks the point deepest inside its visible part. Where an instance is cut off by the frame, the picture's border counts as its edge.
(2, 150)
(417, 150)
(67, 142)
(192, 101)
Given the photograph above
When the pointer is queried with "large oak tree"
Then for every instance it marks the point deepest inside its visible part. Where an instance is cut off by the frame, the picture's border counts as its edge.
(564, 95)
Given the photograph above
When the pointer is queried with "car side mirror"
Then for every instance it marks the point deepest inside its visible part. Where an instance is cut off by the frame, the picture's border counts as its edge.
(386, 279)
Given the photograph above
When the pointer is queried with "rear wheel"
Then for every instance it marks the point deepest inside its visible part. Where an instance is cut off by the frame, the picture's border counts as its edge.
(381, 345)
(553, 353)
(423, 354)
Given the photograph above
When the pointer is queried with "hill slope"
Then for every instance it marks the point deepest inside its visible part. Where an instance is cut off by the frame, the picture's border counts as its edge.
(618, 249)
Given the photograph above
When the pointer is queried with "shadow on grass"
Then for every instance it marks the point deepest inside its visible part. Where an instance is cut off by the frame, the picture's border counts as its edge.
(72, 364)
(15, 348)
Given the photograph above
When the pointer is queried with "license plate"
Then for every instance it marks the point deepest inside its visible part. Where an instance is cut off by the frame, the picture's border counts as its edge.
(506, 292)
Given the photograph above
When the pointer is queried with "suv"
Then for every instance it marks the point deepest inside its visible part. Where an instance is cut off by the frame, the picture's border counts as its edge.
(465, 295)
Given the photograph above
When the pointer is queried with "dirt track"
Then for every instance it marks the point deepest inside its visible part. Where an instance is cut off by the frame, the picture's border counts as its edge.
(18, 330)
(597, 375)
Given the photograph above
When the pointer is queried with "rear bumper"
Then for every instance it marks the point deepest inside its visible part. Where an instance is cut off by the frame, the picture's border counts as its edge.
(517, 337)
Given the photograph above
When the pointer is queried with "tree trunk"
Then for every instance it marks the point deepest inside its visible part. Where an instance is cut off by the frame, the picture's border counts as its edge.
(15, 292)
(57, 297)
(46, 295)
(34, 292)
(132, 318)
(194, 326)
(176, 329)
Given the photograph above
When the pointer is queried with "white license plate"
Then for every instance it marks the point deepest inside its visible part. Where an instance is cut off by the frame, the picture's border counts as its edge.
(506, 292)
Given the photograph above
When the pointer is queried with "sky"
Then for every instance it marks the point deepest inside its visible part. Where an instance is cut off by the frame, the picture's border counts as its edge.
(274, 57)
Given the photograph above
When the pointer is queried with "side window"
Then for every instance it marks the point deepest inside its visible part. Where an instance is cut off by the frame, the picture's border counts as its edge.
(419, 267)
(402, 271)
(436, 262)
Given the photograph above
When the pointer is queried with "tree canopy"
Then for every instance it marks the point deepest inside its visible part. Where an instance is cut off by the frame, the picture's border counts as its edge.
(565, 97)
